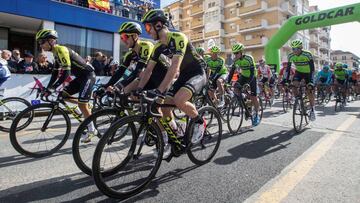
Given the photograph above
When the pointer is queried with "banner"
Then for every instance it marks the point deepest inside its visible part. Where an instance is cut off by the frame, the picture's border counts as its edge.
(103, 5)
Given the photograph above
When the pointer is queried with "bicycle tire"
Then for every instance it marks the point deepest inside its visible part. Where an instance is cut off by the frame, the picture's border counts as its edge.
(296, 111)
(285, 102)
(56, 111)
(97, 169)
(190, 151)
(13, 114)
(232, 111)
(78, 158)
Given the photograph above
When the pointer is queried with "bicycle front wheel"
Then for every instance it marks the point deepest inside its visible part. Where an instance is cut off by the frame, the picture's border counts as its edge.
(204, 150)
(9, 109)
(235, 116)
(298, 116)
(130, 162)
(48, 132)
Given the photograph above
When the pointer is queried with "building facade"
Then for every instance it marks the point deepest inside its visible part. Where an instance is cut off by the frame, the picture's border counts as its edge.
(251, 22)
(347, 57)
(83, 29)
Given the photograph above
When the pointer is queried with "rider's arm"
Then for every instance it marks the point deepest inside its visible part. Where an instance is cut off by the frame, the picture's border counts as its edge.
(288, 70)
(231, 73)
(65, 65)
(117, 75)
(147, 74)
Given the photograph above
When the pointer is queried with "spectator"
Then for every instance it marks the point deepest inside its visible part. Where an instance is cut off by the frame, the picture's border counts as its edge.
(27, 65)
(114, 65)
(12, 65)
(44, 66)
(88, 59)
(107, 67)
(98, 64)
(16, 57)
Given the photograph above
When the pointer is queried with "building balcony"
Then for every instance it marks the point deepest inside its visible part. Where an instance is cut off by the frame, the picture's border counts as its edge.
(197, 10)
(193, 1)
(253, 26)
(256, 43)
(324, 36)
(216, 33)
(195, 37)
(315, 53)
(196, 23)
(324, 46)
(252, 10)
(287, 8)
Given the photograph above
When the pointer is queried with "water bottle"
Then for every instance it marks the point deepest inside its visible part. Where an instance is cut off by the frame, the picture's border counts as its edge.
(77, 110)
(181, 124)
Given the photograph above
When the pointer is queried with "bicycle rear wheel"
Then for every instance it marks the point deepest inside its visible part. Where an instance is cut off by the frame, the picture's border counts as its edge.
(286, 101)
(298, 116)
(235, 116)
(48, 132)
(203, 151)
(83, 152)
(9, 109)
(131, 161)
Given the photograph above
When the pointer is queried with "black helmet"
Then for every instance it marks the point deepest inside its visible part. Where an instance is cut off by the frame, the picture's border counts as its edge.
(155, 15)
(130, 27)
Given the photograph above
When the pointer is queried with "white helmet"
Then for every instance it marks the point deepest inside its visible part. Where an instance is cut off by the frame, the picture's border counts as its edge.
(114, 62)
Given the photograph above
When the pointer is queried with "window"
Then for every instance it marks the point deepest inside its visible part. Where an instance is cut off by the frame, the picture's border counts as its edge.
(99, 41)
(232, 11)
(248, 37)
(72, 37)
(250, 3)
(232, 26)
(334, 58)
(3, 38)
(343, 57)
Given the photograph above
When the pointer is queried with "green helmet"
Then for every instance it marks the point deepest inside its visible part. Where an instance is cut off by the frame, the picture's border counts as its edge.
(155, 15)
(200, 50)
(345, 66)
(130, 27)
(46, 34)
(214, 49)
(237, 47)
(296, 43)
(339, 65)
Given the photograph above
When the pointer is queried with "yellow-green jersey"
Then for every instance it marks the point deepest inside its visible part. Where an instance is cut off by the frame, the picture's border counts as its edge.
(303, 62)
(217, 66)
(247, 66)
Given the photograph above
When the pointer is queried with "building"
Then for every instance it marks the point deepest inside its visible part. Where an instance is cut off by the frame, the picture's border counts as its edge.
(345, 57)
(320, 43)
(83, 29)
(251, 22)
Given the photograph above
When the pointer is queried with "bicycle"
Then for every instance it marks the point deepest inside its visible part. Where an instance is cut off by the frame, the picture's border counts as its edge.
(322, 94)
(139, 153)
(340, 98)
(301, 109)
(240, 105)
(265, 95)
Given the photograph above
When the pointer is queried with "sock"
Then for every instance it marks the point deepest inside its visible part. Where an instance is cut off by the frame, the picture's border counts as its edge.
(91, 127)
(165, 137)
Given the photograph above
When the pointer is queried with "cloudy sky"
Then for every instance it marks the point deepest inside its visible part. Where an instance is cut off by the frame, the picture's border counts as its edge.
(344, 36)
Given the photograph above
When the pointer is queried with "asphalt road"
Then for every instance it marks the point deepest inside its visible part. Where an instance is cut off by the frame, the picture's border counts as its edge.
(246, 166)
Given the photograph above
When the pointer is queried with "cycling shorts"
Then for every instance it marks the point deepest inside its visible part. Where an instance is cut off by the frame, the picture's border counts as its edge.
(306, 76)
(194, 82)
(253, 86)
(82, 85)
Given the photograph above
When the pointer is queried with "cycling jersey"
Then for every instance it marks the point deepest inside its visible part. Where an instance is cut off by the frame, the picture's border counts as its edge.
(283, 73)
(340, 74)
(304, 62)
(247, 66)
(217, 66)
(264, 71)
(326, 75)
(4, 71)
(178, 44)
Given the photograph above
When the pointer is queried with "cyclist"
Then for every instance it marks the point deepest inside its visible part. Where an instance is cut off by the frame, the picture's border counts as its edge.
(67, 62)
(248, 72)
(304, 64)
(4, 71)
(324, 77)
(355, 79)
(282, 80)
(265, 75)
(185, 61)
(201, 52)
(217, 74)
(340, 82)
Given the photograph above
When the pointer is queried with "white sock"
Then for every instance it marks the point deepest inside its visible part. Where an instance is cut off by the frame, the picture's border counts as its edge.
(91, 127)
(165, 137)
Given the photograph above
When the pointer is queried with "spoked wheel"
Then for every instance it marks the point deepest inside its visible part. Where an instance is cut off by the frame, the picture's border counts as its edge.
(48, 132)
(82, 150)
(9, 109)
(204, 150)
(224, 110)
(287, 101)
(235, 116)
(339, 103)
(131, 161)
(298, 116)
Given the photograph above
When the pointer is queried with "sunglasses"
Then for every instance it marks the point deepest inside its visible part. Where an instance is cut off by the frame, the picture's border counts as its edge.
(148, 27)
(236, 53)
(296, 49)
(124, 37)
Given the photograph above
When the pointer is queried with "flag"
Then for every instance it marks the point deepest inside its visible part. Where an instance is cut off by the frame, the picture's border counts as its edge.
(103, 5)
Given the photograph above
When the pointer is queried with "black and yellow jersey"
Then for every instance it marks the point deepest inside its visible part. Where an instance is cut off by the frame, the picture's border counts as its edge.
(68, 59)
(178, 44)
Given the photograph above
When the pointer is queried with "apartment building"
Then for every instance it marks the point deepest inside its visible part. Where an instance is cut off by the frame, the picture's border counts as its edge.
(345, 57)
(251, 22)
(320, 43)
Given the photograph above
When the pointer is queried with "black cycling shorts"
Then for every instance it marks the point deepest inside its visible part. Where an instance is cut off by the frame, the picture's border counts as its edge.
(214, 80)
(82, 85)
(253, 86)
(341, 82)
(192, 81)
(306, 76)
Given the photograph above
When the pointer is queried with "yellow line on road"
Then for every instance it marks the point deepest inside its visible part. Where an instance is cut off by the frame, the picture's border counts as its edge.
(285, 184)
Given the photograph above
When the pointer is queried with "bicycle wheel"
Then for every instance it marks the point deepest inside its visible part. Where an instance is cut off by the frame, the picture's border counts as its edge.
(235, 116)
(286, 101)
(48, 132)
(224, 110)
(261, 108)
(133, 158)
(298, 115)
(83, 152)
(9, 109)
(203, 151)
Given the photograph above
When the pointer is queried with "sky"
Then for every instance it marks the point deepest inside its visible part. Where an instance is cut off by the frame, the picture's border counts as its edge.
(343, 36)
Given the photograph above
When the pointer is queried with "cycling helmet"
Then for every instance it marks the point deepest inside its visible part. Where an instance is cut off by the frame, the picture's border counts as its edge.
(237, 47)
(345, 66)
(338, 65)
(326, 67)
(214, 49)
(296, 43)
(114, 62)
(130, 27)
(155, 15)
(200, 50)
(46, 34)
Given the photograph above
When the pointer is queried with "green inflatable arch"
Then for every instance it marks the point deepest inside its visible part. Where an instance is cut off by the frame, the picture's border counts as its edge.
(324, 18)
